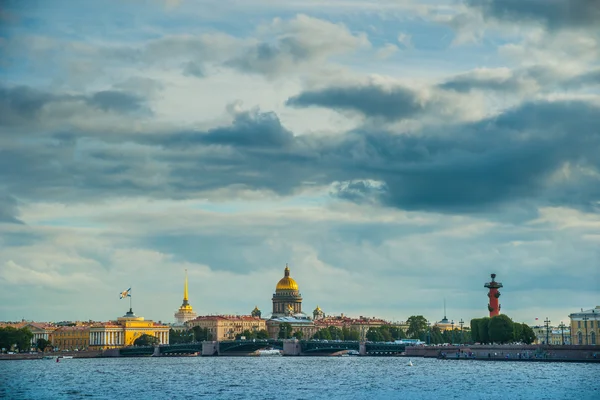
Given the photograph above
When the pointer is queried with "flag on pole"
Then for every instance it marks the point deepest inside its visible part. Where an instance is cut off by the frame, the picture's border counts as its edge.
(125, 293)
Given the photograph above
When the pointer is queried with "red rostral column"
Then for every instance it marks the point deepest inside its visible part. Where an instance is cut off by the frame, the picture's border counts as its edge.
(493, 294)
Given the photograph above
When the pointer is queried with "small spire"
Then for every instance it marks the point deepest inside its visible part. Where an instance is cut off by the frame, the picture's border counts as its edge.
(287, 270)
(185, 288)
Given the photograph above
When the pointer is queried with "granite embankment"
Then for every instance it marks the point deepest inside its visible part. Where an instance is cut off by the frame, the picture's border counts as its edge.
(37, 356)
(508, 352)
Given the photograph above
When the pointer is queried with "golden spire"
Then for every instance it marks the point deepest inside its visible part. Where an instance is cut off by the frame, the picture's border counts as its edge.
(185, 288)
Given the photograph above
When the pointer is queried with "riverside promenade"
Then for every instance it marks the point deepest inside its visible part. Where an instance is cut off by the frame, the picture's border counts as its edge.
(40, 355)
(567, 353)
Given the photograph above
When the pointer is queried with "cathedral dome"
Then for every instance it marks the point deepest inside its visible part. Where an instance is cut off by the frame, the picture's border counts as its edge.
(286, 283)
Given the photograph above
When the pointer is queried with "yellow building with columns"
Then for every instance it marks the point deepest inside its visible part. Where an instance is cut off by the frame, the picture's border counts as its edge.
(227, 327)
(124, 331)
(71, 338)
(185, 312)
(585, 326)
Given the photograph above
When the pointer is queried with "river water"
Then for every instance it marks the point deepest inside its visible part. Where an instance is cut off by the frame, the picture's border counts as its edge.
(295, 378)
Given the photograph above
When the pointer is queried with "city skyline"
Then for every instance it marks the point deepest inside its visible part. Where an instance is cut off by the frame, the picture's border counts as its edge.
(394, 153)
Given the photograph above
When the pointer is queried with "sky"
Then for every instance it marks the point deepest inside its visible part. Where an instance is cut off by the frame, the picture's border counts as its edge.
(393, 153)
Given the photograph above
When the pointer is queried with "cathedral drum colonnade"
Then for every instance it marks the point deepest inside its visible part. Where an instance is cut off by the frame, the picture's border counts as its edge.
(287, 300)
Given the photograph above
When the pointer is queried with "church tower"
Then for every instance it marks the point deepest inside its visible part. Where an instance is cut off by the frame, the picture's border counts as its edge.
(185, 312)
(287, 300)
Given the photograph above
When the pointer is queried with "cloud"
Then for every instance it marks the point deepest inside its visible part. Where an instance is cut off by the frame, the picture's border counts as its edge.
(460, 167)
(390, 103)
(9, 209)
(554, 14)
(297, 43)
(24, 106)
(387, 51)
(191, 68)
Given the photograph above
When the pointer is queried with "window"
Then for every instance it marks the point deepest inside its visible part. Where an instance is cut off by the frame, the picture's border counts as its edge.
(593, 337)
(579, 338)
(579, 324)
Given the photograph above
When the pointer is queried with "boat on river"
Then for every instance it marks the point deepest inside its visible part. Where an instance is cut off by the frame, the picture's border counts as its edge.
(268, 353)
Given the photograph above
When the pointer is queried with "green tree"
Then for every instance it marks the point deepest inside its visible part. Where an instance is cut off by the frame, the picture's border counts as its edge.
(285, 330)
(322, 334)
(397, 333)
(145, 340)
(41, 344)
(201, 334)
(527, 334)
(181, 336)
(436, 335)
(374, 335)
(517, 331)
(501, 329)
(351, 334)
(298, 335)
(23, 339)
(262, 334)
(417, 325)
(475, 329)
(8, 337)
(484, 336)
(248, 334)
(335, 333)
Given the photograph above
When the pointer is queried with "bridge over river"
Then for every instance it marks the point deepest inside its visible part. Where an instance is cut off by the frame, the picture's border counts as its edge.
(289, 347)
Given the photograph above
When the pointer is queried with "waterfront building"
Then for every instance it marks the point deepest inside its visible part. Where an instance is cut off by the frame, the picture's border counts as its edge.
(287, 300)
(318, 313)
(226, 327)
(554, 336)
(445, 325)
(361, 324)
(40, 330)
(185, 312)
(298, 322)
(493, 295)
(124, 331)
(584, 326)
(71, 338)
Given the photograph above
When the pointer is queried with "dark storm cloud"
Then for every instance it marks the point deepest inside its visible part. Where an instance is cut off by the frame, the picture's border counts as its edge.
(249, 129)
(545, 79)
(22, 104)
(510, 157)
(555, 14)
(373, 101)
(458, 168)
(112, 100)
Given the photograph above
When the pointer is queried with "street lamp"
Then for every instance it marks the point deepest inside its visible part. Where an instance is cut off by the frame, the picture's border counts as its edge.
(562, 332)
(547, 322)
(461, 322)
(452, 323)
(585, 320)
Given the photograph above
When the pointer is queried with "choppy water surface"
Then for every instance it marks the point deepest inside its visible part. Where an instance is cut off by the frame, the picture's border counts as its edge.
(295, 378)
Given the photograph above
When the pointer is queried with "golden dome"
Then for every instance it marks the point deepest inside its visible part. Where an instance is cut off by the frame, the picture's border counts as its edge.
(286, 283)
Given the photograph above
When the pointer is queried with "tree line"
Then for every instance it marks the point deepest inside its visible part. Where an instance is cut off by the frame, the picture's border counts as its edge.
(500, 329)
(11, 337)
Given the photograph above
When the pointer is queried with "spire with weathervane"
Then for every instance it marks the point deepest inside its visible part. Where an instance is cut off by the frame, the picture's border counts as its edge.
(185, 312)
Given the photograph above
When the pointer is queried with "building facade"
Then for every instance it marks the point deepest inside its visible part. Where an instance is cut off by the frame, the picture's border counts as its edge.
(185, 312)
(124, 331)
(584, 326)
(287, 300)
(227, 327)
(71, 338)
(40, 330)
(554, 335)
